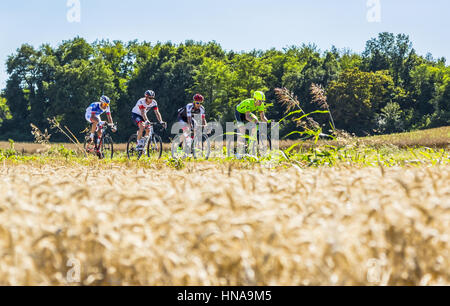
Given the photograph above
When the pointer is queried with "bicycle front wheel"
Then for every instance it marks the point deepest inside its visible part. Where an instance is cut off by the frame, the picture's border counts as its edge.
(132, 151)
(108, 147)
(155, 147)
(264, 145)
(179, 150)
(201, 147)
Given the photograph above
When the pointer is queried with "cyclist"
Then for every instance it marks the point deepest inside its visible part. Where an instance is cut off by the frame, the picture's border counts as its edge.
(185, 116)
(139, 115)
(93, 113)
(244, 111)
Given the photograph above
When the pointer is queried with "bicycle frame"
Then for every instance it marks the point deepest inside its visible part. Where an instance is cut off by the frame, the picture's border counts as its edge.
(152, 142)
(103, 130)
(149, 135)
(251, 142)
(254, 137)
(98, 143)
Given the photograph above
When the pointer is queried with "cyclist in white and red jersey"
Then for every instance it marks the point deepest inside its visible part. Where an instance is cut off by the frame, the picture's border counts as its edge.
(185, 115)
(139, 115)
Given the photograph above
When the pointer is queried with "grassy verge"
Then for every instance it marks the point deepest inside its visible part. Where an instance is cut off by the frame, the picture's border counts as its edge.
(321, 156)
(432, 138)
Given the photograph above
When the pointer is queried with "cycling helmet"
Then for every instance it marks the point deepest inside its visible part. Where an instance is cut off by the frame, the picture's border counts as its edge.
(198, 98)
(150, 94)
(259, 96)
(105, 99)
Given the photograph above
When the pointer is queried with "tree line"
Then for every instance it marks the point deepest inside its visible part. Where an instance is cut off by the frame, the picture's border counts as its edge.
(388, 88)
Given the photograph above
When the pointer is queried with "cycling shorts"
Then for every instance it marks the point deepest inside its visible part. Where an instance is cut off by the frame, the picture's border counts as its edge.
(88, 117)
(137, 119)
(240, 118)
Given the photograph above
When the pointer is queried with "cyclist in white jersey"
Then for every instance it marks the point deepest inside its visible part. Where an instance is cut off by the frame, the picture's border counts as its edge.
(139, 115)
(93, 113)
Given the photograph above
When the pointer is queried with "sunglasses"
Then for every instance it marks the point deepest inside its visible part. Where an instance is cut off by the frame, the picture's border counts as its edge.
(197, 103)
(104, 105)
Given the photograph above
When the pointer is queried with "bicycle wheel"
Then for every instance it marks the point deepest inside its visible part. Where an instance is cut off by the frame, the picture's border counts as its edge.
(155, 147)
(132, 152)
(107, 147)
(201, 147)
(178, 148)
(252, 145)
(237, 147)
(231, 148)
(264, 145)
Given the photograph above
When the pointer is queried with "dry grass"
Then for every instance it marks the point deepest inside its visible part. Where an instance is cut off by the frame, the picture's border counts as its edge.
(35, 148)
(438, 137)
(217, 225)
(432, 138)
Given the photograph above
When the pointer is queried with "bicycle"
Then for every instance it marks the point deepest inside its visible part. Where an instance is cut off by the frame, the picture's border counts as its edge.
(153, 143)
(105, 148)
(200, 145)
(257, 145)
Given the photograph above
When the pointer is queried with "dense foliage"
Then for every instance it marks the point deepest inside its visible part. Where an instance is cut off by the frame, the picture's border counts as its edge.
(387, 88)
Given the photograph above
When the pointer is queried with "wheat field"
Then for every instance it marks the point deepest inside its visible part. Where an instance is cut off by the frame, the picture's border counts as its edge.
(211, 224)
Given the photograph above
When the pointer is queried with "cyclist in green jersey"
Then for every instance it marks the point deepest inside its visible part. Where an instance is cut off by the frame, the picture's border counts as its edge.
(244, 111)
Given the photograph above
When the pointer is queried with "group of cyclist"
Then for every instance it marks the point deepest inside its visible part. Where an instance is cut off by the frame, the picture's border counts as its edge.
(244, 114)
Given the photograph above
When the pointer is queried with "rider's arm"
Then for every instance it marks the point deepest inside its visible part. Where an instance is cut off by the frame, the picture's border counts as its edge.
(143, 114)
(250, 117)
(203, 114)
(189, 114)
(158, 115)
(263, 117)
(110, 120)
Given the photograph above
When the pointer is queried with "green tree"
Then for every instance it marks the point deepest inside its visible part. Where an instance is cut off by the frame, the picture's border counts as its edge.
(388, 79)
(214, 80)
(428, 85)
(388, 52)
(357, 96)
(5, 114)
(390, 120)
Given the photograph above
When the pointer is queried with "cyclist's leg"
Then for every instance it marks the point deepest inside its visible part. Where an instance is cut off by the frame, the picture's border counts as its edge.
(241, 121)
(94, 121)
(186, 129)
(195, 126)
(139, 121)
(100, 126)
(147, 131)
(140, 131)
(88, 119)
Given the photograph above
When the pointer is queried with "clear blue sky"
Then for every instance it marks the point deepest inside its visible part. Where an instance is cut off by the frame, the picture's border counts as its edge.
(235, 24)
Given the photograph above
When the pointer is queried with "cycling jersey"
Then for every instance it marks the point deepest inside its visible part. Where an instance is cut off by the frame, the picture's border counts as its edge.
(249, 106)
(95, 108)
(189, 110)
(142, 105)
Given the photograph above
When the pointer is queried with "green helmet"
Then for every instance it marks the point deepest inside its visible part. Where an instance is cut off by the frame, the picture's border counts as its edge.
(259, 96)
